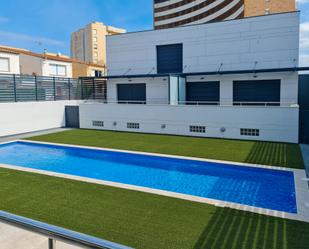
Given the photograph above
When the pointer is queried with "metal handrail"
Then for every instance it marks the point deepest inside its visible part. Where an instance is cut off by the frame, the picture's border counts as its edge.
(54, 233)
(163, 102)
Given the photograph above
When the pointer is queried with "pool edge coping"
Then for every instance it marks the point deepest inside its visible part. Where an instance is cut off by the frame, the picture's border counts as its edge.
(235, 163)
(301, 187)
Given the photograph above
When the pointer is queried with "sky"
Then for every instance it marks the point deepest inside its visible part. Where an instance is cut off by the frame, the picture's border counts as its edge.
(42, 24)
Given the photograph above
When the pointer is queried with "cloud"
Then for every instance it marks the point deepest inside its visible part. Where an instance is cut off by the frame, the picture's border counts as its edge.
(27, 38)
(302, 1)
(304, 44)
(304, 35)
(304, 60)
(3, 19)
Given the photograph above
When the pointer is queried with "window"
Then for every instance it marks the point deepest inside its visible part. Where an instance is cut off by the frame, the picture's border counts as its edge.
(249, 132)
(95, 39)
(95, 46)
(169, 58)
(98, 123)
(4, 65)
(131, 93)
(95, 54)
(133, 125)
(97, 73)
(198, 129)
(94, 31)
(57, 70)
(257, 92)
(207, 93)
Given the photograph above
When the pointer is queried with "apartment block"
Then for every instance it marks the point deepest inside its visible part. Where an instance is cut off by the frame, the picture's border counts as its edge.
(89, 44)
(232, 79)
(173, 13)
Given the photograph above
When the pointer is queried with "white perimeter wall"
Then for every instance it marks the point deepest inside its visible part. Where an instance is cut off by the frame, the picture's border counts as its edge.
(272, 41)
(16, 118)
(275, 123)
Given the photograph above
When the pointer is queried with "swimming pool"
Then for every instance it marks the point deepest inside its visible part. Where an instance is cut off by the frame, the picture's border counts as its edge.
(258, 187)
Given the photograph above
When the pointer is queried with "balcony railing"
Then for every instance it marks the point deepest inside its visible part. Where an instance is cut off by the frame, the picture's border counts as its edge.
(164, 102)
(54, 233)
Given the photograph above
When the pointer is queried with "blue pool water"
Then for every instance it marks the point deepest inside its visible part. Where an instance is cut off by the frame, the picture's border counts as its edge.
(265, 188)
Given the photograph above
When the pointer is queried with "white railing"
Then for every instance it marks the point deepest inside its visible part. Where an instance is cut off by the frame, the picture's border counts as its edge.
(164, 102)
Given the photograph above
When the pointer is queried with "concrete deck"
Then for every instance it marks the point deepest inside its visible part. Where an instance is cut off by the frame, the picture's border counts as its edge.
(31, 134)
(15, 238)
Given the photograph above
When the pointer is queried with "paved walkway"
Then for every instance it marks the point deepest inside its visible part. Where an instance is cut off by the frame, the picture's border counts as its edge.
(15, 238)
(31, 134)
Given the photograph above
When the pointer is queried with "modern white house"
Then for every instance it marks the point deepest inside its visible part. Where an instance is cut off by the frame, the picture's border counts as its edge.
(233, 79)
(9, 62)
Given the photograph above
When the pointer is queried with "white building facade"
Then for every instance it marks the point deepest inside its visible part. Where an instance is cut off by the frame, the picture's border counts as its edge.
(9, 62)
(232, 79)
(49, 66)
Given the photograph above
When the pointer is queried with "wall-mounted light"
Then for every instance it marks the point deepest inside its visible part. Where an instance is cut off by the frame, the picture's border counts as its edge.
(163, 126)
(114, 123)
(223, 129)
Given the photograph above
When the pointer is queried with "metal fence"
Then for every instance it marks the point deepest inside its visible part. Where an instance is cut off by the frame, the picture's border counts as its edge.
(22, 88)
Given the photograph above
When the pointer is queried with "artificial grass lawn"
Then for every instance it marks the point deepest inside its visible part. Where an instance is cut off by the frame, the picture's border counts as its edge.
(267, 153)
(143, 220)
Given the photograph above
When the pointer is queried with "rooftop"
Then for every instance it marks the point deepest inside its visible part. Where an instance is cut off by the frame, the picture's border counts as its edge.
(46, 55)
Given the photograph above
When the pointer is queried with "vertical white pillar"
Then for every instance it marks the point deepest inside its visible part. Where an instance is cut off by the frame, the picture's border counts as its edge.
(226, 92)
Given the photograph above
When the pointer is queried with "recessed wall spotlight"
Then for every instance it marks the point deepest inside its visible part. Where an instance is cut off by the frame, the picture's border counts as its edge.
(129, 80)
(202, 78)
(115, 123)
(223, 129)
(164, 79)
(163, 126)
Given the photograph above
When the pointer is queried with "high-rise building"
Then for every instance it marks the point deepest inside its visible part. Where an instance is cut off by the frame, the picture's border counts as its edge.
(173, 13)
(89, 44)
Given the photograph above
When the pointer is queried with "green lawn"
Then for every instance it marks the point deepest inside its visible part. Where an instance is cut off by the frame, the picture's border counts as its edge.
(277, 154)
(143, 220)
(147, 221)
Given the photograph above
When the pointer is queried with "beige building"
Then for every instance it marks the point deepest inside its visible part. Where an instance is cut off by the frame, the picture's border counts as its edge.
(89, 44)
(84, 69)
(264, 7)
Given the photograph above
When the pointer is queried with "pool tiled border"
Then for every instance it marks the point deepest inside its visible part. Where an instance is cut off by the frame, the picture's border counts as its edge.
(301, 186)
